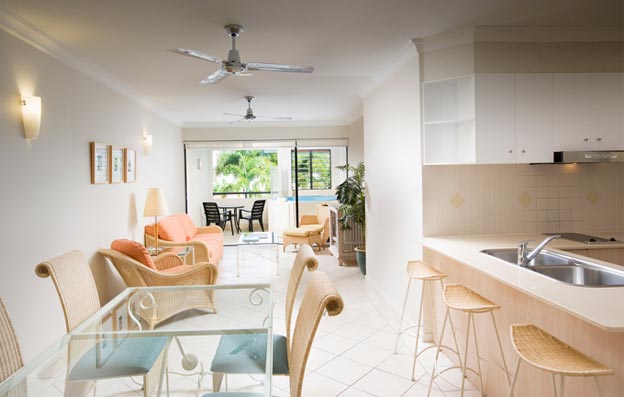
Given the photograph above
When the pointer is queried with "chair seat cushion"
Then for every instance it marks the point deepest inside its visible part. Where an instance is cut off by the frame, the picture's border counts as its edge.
(312, 226)
(177, 269)
(246, 354)
(302, 232)
(133, 356)
(135, 251)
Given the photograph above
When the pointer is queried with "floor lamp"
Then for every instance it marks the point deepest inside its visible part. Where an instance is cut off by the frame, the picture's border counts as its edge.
(155, 205)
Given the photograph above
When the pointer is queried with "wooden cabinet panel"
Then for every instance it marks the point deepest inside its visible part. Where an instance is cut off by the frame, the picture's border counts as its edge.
(496, 118)
(607, 104)
(571, 111)
(534, 118)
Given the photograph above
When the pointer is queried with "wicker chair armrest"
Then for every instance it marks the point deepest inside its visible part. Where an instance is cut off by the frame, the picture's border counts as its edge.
(200, 274)
(167, 260)
(308, 220)
(209, 229)
(202, 252)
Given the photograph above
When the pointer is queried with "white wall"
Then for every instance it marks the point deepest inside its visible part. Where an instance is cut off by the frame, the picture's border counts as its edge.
(393, 166)
(263, 133)
(48, 206)
(356, 141)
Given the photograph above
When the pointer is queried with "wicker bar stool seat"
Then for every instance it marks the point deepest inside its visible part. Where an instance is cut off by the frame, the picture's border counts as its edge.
(419, 270)
(461, 298)
(544, 351)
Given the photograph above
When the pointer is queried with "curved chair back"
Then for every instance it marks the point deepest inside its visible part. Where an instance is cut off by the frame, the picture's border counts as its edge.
(10, 355)
(305, 258)
(257, 209)
(74, 284)
(211, 210)
(320, 296)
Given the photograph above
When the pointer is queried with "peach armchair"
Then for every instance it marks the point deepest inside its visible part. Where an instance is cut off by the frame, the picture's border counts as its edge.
(138, 269)
(178, 230)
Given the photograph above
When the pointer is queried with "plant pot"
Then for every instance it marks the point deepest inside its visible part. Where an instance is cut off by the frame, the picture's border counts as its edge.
(360, 256)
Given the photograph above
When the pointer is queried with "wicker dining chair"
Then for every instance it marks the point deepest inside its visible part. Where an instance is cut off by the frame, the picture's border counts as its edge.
(225, 364)
(166, 269)
(77, 291)
(320, 296)
(10, 354)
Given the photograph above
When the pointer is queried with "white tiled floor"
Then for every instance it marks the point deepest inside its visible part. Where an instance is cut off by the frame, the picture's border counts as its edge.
(352, 354)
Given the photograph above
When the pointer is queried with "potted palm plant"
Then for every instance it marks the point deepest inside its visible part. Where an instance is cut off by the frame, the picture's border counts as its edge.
(352, 198)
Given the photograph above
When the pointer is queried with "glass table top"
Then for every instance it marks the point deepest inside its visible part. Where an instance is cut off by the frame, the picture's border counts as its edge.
(116, 349)
(259, 238)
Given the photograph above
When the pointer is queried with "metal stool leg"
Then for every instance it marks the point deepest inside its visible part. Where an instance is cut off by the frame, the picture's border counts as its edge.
(554, 385)
(515, 378)
(597, 386)
(561, 383)
(396, 344)
(435, 364)
(474, 336)
(500, 346)
(466, 354)
(420, 310)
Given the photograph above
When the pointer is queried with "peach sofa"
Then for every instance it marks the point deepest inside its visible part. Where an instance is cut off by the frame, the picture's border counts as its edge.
(179, 230)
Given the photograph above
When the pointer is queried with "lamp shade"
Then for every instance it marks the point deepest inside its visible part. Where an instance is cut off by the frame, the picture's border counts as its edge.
(31, 115)
(155, 204)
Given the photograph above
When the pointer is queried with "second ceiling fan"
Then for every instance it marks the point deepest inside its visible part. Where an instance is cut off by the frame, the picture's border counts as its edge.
(250, 116)
(233, 65)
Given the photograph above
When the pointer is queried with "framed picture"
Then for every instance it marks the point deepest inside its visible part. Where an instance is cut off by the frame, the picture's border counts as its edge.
(99, 163)
(104, 346)
(116, 160)
(130, 172)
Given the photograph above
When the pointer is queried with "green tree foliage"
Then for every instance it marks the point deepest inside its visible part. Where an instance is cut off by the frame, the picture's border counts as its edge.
(244, 171)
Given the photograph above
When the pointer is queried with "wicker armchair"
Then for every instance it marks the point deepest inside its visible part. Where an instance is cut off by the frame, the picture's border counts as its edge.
(170, 272)
(79, 298)
(10, 355)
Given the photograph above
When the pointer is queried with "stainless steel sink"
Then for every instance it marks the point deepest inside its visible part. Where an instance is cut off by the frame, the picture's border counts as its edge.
(564, 268)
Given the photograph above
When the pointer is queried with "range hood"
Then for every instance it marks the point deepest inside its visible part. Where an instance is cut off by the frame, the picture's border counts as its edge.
(602, 156)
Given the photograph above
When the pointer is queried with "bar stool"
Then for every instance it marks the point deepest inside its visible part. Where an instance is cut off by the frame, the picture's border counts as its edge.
(418, 270)
(459, 297)
(542, 350)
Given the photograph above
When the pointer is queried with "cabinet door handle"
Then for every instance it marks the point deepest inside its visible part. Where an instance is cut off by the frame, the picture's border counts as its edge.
(586, 139)
(523, 151)
(599, 139)
(511, 151)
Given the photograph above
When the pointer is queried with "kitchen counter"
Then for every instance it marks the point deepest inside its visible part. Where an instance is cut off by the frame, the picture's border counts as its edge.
(602, 307)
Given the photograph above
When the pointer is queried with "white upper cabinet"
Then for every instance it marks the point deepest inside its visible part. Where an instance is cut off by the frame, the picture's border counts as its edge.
(607, 106)
(496, 118)
(534, 118)
(571, 111)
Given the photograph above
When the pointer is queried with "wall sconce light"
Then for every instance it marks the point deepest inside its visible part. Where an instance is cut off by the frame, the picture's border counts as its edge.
(31, 116)
(147, 144)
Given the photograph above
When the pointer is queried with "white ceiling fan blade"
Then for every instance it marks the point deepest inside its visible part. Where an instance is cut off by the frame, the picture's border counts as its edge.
(234, 114)
(273, 67)
(236, 121)
(195, 54)
(273, 118)
(215, 77)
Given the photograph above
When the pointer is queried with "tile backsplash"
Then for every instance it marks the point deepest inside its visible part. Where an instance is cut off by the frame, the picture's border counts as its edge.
(484, 199)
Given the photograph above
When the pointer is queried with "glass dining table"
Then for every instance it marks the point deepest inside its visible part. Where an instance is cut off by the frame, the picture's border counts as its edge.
(113, 350)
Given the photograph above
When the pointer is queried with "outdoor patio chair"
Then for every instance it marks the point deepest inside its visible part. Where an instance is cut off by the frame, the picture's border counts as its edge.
(256, 213)
(213, 215)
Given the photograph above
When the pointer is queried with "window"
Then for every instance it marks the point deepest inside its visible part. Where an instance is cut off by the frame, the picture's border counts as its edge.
(243, 173)
(314, 167)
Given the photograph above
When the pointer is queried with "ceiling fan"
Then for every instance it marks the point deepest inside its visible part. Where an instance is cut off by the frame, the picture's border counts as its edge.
(250, 116)
(233, 65)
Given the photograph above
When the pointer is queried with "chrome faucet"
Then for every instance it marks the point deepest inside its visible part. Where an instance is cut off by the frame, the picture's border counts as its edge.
(525, 257)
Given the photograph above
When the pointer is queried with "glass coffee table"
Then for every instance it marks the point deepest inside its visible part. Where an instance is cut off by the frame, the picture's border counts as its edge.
(181, 251)
(255, 239)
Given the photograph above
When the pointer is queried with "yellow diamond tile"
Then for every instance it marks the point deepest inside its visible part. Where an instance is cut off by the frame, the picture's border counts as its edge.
(593, 197)
(456, 200)
(525, 198)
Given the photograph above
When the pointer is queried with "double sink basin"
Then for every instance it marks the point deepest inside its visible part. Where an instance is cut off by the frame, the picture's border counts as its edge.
(564, 268)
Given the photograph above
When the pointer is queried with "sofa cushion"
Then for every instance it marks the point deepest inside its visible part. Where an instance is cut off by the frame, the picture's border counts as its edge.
(190, 230)
(135, 251)
(170, 229)
(214, 242)
(302, 232)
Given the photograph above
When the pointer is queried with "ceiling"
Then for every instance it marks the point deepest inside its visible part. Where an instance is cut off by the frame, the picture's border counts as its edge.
(349, 42)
